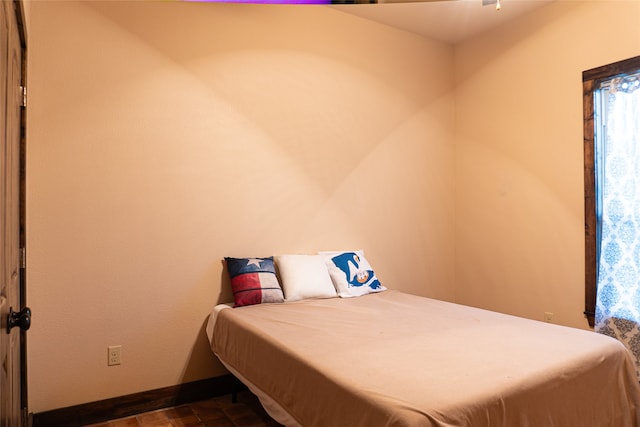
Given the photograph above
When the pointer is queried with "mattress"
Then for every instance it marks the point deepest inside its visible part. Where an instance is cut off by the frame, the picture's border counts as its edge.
(394, 359)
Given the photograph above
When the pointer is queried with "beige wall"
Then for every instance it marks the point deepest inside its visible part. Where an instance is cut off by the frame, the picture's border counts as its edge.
(163, 137)
(519, 176)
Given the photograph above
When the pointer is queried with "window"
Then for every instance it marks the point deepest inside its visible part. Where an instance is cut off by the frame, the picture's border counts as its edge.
(600, 86)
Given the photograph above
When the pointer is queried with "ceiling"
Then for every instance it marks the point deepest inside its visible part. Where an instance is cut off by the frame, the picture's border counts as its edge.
(449, 21)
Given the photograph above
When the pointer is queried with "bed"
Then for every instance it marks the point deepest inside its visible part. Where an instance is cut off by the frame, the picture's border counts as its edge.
(395, 359)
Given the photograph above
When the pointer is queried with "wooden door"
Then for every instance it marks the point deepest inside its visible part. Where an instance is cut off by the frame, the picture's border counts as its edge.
(11, 339)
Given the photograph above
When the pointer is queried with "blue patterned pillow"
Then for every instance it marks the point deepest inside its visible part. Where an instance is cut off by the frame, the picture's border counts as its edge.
(352, 274)
(253, 281)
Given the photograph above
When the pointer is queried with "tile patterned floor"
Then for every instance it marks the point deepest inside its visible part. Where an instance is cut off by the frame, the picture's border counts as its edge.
(216, 412)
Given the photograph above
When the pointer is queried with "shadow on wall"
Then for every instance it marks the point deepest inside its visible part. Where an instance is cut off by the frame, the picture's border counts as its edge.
(301, 89)
(201, 358)
(225, 294)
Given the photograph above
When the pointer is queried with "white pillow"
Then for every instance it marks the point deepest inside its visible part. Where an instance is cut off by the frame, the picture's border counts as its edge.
(352, 274)
(304, 276)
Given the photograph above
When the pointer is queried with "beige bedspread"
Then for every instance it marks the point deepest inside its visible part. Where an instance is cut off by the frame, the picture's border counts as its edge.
(393, 359)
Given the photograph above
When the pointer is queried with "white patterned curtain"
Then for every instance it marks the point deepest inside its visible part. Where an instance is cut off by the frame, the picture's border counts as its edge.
(618, 185)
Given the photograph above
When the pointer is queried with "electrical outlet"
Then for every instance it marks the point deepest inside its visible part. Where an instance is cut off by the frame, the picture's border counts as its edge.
(114, 355)
(548, 317)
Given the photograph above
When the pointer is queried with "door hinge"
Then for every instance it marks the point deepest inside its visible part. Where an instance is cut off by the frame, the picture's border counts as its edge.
(23, 97)
(23, 258)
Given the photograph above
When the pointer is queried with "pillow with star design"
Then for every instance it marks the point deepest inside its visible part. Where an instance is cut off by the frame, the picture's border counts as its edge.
(253, 281)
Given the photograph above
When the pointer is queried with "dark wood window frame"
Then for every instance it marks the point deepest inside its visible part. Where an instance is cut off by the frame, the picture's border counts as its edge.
(591, 80)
